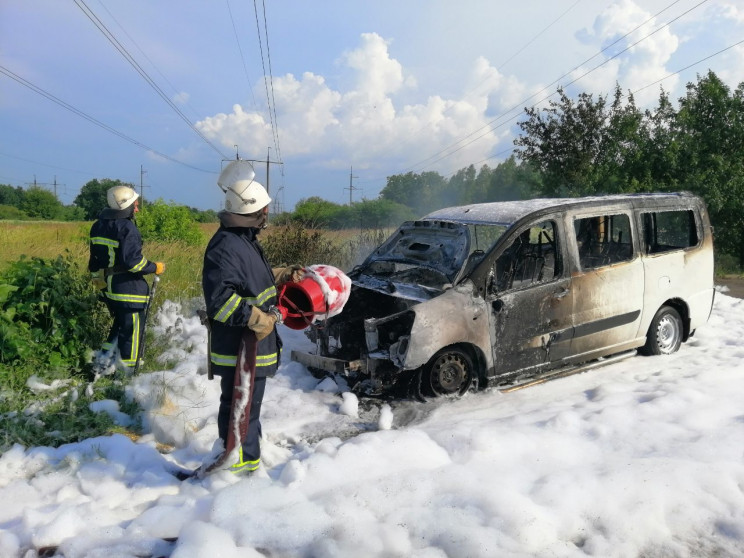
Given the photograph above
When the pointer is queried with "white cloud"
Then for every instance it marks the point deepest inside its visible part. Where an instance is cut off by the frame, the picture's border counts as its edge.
(643, 63)
(732, 11)
(364, 124)
(377, 74)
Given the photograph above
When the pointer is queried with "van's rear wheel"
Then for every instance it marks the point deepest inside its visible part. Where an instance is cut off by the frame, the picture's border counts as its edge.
(450, 372)
(665, 333)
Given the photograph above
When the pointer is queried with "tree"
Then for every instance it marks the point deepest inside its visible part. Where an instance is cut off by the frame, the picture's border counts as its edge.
(459, 187)
(421, 192)
(316, 212)
(710, 124)
(166, 222)
(92, 196)
(11, 196)
(380, 213)
(511, 181)
(41, 204)
(564, 141)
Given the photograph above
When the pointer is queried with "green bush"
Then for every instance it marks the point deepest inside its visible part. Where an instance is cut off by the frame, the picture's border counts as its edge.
(49, 319)
(160, 221)
(12, 213)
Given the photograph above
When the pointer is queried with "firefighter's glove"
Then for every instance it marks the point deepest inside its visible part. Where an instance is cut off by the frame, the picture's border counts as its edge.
(98, 282)
(262, 323)
(290, 274)
(159, 268)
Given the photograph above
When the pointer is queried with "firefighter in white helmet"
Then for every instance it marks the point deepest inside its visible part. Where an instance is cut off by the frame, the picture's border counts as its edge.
(118, 268)
(240, 291)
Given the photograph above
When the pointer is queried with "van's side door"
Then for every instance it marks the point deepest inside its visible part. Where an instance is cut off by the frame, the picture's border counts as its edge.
(530, 299)
(608, 283)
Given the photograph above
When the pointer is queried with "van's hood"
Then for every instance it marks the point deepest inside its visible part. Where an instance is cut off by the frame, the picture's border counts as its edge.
(393, 288)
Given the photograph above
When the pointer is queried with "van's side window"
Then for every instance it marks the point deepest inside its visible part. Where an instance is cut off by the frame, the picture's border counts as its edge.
(665, 231)
(603, 240)
(531, 258)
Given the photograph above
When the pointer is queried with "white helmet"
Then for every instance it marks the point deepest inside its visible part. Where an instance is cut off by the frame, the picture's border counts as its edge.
(121, 197)
(236, 170)
(246, 196)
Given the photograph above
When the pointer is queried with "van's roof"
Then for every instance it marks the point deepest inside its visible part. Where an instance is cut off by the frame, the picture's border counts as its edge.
(508, 212)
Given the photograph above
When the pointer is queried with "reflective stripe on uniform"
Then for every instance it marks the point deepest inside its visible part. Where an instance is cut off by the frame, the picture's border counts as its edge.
(232, 360)
(241, 465)
(267, 360)
(110, 245)
(234, 301)
(135, 341)
(139, 266)
(126, 297)
(262, 297)
(228, 308)
(223, 360)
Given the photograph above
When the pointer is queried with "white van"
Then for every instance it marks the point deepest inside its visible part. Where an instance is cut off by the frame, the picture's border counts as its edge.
(509, 294)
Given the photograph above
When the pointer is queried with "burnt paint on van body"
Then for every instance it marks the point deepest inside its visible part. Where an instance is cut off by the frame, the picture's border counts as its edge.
(497, 293)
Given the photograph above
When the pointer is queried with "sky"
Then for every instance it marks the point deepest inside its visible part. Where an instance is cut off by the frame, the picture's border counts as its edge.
(338, 95)
(643, 457)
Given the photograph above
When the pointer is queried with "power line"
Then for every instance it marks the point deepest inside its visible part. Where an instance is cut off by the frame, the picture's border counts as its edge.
(240, 50)
(123, 51)
(690, 66)
(89, 118)
(633, 92)
(175, 91)
(491, 128)
(271, 80)
(266, 77)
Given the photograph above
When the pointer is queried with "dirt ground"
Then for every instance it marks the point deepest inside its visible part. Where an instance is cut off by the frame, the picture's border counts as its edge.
(735, 285)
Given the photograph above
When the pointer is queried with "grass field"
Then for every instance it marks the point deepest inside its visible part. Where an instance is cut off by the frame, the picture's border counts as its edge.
(182, 277)
(47, 240)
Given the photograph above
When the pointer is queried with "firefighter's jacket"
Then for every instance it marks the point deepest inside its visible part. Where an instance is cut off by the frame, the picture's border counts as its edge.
(236, 277)
(116, 251)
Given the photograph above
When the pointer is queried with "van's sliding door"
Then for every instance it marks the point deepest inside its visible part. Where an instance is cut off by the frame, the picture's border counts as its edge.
(608, 285)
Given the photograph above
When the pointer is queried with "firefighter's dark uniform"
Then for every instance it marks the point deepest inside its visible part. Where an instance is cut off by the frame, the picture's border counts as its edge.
(116, 250)
(236, 276)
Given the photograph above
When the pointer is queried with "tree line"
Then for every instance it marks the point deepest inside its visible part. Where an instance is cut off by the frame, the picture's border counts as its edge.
(607, 145)
(37, 203)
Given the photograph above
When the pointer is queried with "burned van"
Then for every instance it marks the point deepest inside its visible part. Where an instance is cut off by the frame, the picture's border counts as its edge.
(512, 293)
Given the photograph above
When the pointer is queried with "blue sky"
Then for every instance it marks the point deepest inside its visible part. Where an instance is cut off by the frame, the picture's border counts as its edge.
(383, 87)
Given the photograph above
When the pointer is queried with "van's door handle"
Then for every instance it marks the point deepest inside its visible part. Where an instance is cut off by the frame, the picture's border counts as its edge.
(560, 294)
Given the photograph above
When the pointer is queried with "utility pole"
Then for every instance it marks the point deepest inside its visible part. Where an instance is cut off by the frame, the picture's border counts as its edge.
(55, 187)
(142, 187)
(38, 184)
(351, 187)
(268, 162)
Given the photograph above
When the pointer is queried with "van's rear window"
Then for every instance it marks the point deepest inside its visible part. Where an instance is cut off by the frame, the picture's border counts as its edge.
(664, 231)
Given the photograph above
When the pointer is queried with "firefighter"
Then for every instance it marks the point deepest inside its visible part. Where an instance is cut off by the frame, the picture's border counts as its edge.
(240, 291)
(118, 268)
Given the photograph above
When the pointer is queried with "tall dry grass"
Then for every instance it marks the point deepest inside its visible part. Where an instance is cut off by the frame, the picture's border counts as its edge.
(182, 278)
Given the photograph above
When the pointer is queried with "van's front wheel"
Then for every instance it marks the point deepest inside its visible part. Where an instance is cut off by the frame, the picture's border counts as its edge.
(450, 372)
(665, 333)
